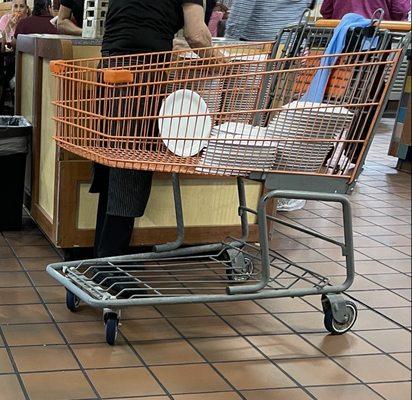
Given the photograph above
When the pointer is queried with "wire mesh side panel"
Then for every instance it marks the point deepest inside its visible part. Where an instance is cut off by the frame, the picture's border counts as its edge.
(230, 111)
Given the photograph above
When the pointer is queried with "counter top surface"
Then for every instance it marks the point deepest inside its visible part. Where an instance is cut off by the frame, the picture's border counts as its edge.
(76, 40)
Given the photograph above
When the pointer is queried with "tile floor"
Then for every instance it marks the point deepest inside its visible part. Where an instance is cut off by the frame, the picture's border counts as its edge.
(263, 350)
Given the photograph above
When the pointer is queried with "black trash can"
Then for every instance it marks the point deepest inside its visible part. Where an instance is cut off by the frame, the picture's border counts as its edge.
(15, 132)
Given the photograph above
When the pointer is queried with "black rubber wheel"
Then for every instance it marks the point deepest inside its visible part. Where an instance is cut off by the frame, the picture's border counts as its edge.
(112, 326)
(337, 328)
(72, 301)
(241, 266)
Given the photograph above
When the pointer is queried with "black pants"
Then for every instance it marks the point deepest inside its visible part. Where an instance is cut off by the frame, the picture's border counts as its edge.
(113, 233)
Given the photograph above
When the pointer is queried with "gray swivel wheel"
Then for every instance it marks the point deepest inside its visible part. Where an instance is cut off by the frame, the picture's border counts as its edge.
(240, 266)
(72, 301)
(111, 322)
(334, 326)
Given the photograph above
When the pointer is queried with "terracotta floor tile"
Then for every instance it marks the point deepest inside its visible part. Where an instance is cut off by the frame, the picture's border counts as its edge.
(316, 371)
(393, 240)
(404, 358)
(140, 312)
(400, 340)
(256, 324)
(405, 293)
(10, 265)
(283, 305)
(23, 314)
(356, 392)
(83, 332)
(101, 355)
(185, 310)
(124, 382)
(400, 315)
(284, 346)
(203, 379)
(368, 319)
(6, 252)
(250, 375)
(394, 391)
(32, 334)
(226, 349)
(163, 352)
(360, 283)
(404, 249)
(276, 394)
(148, 329)
(13, 279)
(380, 298)
(18, 295)
(401, 229)
(67, 385)
(85, 313)
(10, 388)
(208, 396)
(34, 251)
(303, 256)
(372, 267)
(373, 231)
(383, 253)
(399, 265)
(52, 294)
(326, 268)
(348, 344)
(304, 322)
(42, 278)
(38, 263)
(237, 307)
(392, 281)
(5, 364)
(43, 358)
(374, 368)
(202, 327)
(28, 240)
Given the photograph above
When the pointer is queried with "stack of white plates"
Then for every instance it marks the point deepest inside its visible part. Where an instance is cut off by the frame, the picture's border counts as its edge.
(241, 92)
(305, 120)
(235, 148)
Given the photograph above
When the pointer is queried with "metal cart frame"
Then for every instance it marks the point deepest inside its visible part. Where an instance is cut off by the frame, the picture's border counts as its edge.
(231, 271)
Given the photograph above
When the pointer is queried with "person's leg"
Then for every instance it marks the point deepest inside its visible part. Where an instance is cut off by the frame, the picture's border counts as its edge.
(115, 236)
(100, 219)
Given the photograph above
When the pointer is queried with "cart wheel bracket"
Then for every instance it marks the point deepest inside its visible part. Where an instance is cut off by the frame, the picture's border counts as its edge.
(336, 304)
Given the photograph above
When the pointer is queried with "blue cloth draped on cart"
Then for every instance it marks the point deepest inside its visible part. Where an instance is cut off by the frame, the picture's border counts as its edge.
(318, 85)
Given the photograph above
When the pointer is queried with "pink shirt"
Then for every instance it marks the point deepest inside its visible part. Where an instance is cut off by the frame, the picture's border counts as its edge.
(395, 10)
(4, 20)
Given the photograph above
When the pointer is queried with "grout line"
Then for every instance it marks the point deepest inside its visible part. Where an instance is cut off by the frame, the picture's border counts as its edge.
(59, 330)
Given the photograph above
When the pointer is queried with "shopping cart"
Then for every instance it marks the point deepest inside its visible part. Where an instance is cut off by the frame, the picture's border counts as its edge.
(237, 111)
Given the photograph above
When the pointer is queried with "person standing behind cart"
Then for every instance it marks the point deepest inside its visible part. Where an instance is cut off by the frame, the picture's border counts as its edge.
(70, 19)
(395, 10)
(132, 27)
(260, 20)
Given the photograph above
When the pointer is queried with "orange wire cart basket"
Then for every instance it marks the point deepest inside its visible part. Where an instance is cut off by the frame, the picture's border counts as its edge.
(241, 111)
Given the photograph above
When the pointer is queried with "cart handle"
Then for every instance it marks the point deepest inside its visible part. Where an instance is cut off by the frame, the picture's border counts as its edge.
(122, 76)
(396, 26)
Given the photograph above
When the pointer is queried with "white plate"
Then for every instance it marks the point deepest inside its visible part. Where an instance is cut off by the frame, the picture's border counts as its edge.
(192, 130)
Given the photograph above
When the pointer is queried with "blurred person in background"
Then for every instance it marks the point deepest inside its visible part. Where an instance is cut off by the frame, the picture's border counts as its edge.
(70, 20)
(260, 20)
(8, 22)
(39, 21)
(395, 10)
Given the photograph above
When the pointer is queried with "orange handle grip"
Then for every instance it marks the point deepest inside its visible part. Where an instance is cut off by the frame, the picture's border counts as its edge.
(117, 76)
(396, 26)
(57, 67)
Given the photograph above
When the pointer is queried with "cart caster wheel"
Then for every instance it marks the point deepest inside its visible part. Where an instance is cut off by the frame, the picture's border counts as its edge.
(72, 301)
(112, 327)
(337, 328)
(241, 266)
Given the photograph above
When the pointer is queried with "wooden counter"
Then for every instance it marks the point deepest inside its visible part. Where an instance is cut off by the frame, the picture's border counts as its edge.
(60, 202)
